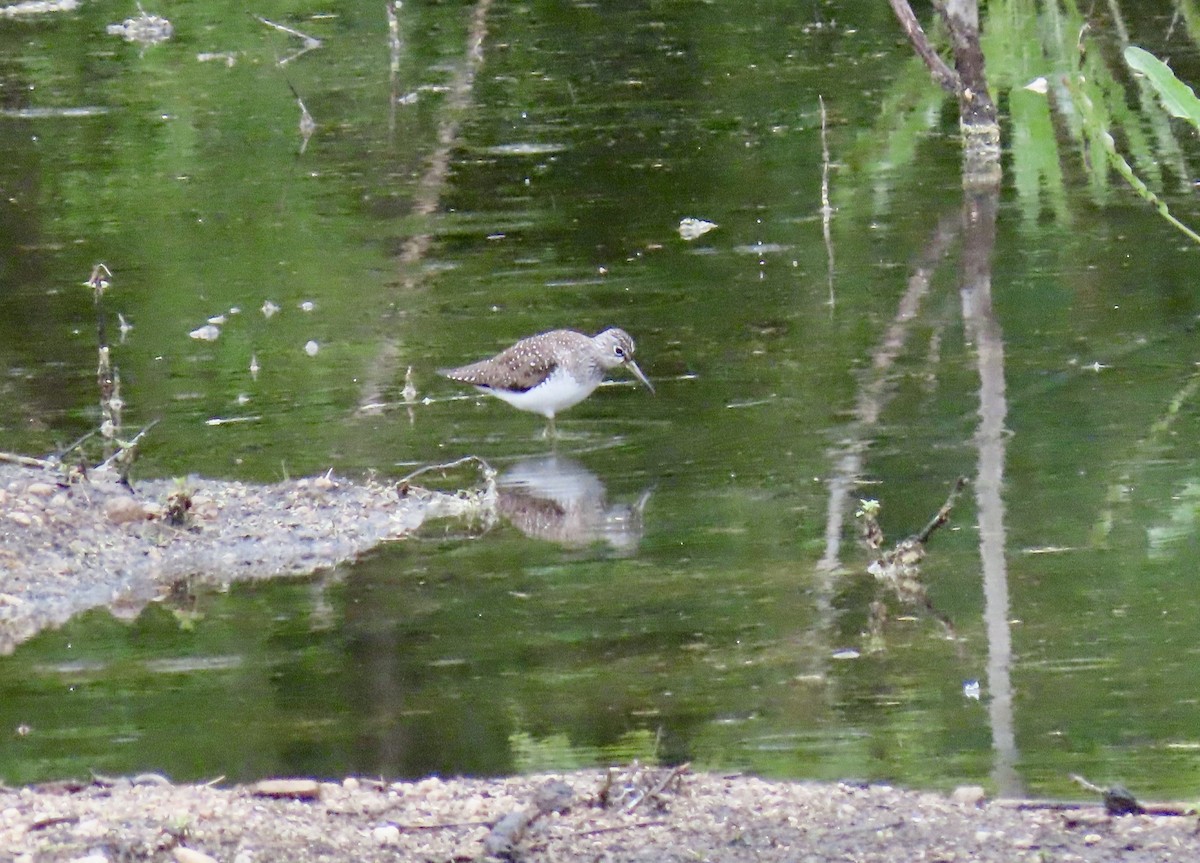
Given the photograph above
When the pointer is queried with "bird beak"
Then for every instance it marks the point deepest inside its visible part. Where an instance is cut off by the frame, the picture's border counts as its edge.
(633, 367)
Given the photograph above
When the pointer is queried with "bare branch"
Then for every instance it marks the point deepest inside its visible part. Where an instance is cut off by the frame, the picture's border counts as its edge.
(946, 77)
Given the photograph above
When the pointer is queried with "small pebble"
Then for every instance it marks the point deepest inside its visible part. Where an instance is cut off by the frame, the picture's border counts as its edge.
(190, 855)
(350, 783)
(41, 489)
(120, 510)
(968, 795)
(297, 789)
(386, 835)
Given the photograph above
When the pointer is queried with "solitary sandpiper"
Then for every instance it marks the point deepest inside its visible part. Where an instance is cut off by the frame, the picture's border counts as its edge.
(550, 372)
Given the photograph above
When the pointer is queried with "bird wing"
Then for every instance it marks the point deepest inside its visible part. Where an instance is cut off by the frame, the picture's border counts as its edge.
(519, 368)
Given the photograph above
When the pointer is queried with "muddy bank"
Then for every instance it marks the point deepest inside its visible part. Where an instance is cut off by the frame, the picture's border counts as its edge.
(66, 547)
(627, 815)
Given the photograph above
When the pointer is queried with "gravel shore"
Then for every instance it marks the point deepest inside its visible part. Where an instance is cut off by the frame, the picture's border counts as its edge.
(634, 814)
(69, 546)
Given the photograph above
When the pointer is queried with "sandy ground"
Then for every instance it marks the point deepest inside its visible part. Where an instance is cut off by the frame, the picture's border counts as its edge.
(632, 814)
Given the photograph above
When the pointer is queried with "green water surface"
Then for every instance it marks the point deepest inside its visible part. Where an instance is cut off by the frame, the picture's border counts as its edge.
(506, 168)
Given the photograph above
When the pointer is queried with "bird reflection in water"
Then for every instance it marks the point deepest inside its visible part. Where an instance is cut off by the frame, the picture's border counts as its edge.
(559, 500)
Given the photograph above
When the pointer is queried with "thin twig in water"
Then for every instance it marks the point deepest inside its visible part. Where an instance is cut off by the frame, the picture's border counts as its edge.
(395, 47)
(307, 124)
(127, 447)
(394, 44)
(61, 454)
(943, 514)
(310, 42)
(826, 207)
(484, 466)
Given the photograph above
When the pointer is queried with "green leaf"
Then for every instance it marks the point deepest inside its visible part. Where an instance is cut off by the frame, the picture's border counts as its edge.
(1177, 97)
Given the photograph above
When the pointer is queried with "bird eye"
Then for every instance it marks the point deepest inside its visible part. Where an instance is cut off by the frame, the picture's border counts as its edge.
(619, 351)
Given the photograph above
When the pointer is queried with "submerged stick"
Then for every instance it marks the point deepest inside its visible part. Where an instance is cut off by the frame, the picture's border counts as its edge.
(943, 514)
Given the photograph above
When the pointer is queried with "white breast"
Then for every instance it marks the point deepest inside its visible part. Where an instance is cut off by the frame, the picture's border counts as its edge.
(556, 393)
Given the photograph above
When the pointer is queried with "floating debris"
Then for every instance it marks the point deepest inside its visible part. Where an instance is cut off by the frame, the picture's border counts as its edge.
(206, 333)
(38, 7)
(99, 280)
(229, 58)
(761, 248)
(46, 113)
(144, 29)
(269, 309)
(254, 366)
(225, 421)
(307, 306)
(690, 228)
(311, 348)
(217, 320)
(526, 148)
